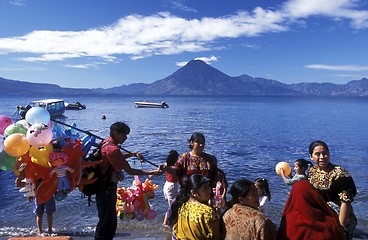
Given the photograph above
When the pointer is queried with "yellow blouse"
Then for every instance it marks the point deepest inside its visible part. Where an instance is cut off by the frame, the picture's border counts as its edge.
(197, 221)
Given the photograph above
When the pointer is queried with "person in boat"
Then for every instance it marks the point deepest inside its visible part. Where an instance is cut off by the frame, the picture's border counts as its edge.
(24, 110)
(307, 216)
(335, 184)
(113, 162)
(241, 217)
(191, 217)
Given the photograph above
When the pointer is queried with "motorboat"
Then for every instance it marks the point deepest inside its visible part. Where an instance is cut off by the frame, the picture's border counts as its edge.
(55, 107)
(147, 104)
(75, 106)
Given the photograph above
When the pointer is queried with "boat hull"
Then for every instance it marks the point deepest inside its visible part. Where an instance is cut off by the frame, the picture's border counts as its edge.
(151, 105)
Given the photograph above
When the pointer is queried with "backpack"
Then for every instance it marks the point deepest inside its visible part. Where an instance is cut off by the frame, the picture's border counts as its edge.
(91, 189)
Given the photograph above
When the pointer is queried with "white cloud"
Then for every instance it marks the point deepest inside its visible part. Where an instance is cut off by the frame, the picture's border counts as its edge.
(18, 3)
(165, 34)
(178, 4)
(351, 68)
(252, 46)
(181, 64)
(86, 65)
(336, 9)
(207, 60)
(140, 36)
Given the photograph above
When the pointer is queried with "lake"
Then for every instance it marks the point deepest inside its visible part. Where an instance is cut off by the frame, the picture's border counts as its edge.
(249, 135)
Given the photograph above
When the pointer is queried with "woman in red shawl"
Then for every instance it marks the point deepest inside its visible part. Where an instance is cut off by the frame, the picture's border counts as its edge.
(307, 216)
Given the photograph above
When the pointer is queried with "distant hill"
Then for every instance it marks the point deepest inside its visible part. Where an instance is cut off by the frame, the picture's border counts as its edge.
(22, 87)
(199, 78)
(352, 88)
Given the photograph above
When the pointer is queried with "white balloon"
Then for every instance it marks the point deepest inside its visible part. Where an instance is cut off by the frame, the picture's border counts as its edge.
(37, 115)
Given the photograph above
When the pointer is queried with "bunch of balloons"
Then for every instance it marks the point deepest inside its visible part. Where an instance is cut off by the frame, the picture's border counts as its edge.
(133, 201)
(31, 135)
(25, 147)
(18, 137)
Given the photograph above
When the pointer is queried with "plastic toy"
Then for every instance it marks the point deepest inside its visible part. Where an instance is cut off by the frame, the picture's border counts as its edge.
(133, 201)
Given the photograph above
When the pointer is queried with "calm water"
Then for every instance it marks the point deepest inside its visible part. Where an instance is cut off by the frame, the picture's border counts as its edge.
(248, 135)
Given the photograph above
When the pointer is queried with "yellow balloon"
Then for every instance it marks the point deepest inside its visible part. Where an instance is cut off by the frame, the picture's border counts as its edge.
(16, 145)
(40, 155)
(285, 166)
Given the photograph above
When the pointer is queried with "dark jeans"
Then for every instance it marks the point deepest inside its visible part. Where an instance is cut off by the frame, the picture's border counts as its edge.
(106, 207)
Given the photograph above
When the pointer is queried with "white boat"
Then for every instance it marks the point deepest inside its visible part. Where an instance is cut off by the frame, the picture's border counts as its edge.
(147, 104)
(55, 107)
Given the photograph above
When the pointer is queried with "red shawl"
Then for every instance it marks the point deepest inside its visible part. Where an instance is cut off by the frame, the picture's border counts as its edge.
(307, 216)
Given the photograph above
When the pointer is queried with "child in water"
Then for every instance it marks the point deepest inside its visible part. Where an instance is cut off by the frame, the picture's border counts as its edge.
(300, 167)
(171, 186)
(39, 209)
(264, 194)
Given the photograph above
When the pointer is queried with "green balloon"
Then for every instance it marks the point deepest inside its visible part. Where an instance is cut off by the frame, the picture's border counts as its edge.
(7, 162)
(15, 128)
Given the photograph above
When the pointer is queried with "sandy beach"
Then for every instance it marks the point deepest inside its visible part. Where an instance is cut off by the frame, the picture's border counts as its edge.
(137, 232)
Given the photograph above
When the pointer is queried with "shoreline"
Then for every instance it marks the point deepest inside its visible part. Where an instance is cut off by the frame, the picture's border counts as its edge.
(146, 232)
(124, 231)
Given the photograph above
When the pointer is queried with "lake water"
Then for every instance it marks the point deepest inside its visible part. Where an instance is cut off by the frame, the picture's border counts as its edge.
(248, 135)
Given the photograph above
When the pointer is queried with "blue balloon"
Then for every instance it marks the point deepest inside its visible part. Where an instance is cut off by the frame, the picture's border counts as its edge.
(57, 133)
(37, 115)
(88, 142)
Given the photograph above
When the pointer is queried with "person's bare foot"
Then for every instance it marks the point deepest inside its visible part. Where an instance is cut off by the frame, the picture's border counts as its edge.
(51, 233)
(42, 234)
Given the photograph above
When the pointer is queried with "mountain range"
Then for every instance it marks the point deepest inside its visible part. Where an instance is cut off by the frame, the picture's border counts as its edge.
(199, 78)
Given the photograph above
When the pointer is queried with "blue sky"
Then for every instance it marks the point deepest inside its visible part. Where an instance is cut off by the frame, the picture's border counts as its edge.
(107, 43)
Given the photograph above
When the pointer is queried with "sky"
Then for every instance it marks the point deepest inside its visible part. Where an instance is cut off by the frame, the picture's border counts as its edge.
(108, 43)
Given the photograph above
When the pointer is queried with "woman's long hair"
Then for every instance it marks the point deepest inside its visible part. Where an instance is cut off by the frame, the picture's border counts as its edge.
(187, 184)
(240, 188)
(195, 136)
